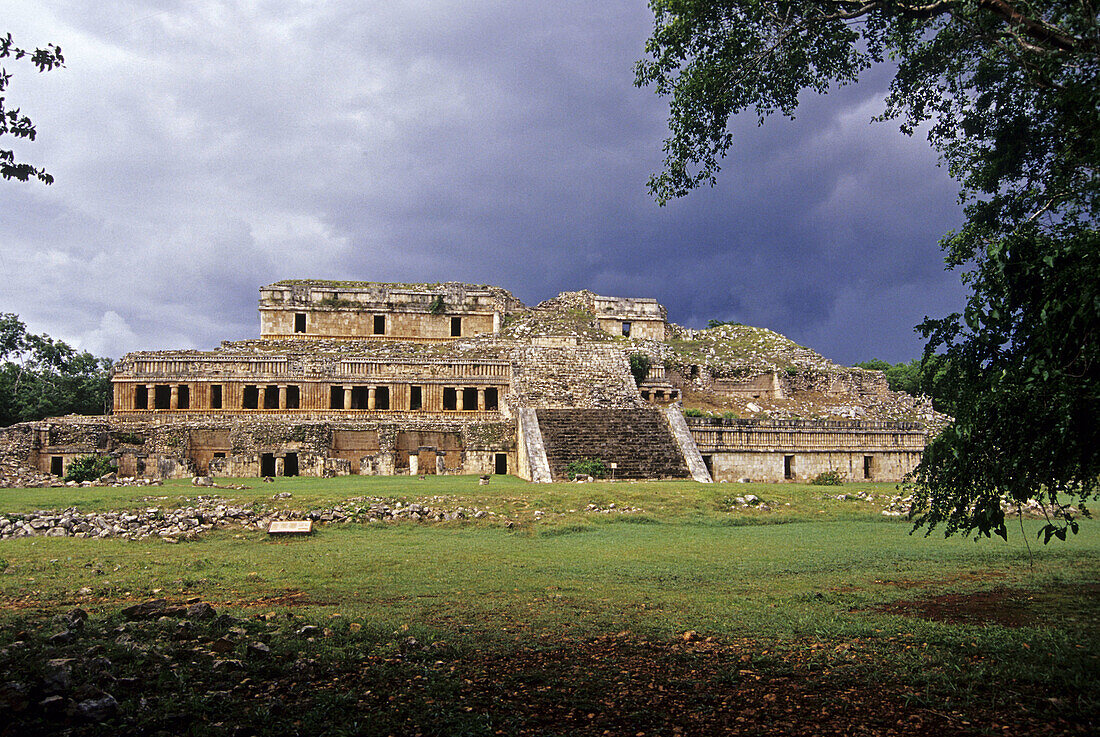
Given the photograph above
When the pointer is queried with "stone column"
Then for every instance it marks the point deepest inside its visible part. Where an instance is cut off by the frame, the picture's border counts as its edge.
(282, 396)
(174, 403)
(150, 396)
(370, 398)
(481, 400)
(459, 401)
(347, 397)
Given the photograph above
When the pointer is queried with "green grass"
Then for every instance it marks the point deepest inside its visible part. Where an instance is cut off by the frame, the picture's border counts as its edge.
(813, 577)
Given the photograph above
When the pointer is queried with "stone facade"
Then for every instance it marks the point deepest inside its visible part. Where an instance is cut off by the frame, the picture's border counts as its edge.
(383, 379)
(799, 450)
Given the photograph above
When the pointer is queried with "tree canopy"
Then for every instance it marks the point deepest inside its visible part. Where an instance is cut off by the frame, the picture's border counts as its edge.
(12, 121)
(42, 377)
(1010, 95)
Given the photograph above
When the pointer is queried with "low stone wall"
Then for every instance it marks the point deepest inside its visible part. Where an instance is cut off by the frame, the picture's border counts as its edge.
(772, 467)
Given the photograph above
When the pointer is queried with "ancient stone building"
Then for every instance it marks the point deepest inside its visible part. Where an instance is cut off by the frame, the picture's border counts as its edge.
(382, 379)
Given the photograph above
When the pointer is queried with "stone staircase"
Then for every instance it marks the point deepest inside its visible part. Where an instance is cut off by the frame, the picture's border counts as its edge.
(638, 440)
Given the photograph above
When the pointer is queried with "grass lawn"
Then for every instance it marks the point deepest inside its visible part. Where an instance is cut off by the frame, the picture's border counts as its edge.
(692, 615)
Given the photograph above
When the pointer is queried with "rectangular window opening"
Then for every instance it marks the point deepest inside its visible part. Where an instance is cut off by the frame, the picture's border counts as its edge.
(416, 397)
(500, 465)
(336, 397)
(382, 397)
(450, 398)
(379, 324)
(469, 398)
(626, 329)
(359, 396)
(183, 396)
(141, 397)
(57, 465)
(267, 464)
(299, 322)
(219, 454)
(788, 467)
(290, 464)
(492, 398)
(250, 397)
(216, 396)
(456, 327)
(271, 397)
(162, 396)
(293, 397)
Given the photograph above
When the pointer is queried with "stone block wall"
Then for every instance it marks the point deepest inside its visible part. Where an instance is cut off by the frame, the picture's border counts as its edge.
(581, 377)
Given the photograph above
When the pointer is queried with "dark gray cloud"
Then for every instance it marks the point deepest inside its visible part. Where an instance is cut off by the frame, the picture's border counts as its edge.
(202, 150)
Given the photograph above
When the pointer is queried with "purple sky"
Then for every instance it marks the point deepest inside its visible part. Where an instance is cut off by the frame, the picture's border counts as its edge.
(203, 150)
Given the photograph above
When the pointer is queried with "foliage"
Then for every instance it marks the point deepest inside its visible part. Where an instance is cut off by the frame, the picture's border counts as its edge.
(593, 467)
(639, 367)
(827, 478)
(720, 323)
(1011, 99)
(337, 302)
(437, 305)
(12, 121)
(693, 412)
(42, 377)
(88, 468)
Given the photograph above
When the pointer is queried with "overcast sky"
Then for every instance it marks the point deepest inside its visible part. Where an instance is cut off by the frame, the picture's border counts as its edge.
(203, 149)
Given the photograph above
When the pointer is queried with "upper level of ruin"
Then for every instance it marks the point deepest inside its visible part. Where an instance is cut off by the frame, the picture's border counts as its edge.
(382, 311)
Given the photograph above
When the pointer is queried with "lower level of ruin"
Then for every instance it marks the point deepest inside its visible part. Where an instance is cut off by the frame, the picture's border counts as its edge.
(646, 443)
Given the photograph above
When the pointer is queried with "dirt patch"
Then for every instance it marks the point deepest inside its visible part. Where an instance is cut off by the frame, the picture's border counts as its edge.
(1002, 606)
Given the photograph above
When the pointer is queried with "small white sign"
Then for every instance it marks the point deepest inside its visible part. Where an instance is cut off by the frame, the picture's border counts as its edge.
(614, 465)
(303, 527)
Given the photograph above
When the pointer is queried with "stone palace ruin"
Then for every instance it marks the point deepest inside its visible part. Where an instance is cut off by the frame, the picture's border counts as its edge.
(383, 379)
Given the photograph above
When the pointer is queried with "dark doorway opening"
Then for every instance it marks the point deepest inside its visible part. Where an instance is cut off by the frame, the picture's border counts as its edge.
(492, 398)
(290, 464)
(216, 396)
(141, 397)
(456, 327)
(293, 397)
(450, 398)
(416, 398)
(868, 466)
(359, 396)
(382, 397)
(626, 329)
(469, 398)
(501, 464)
(708, 461)
(379, 324)
(250, 397)
(271, 397)
(788, 467)
(267, 464)
(183, 396)
(299, 322)
(162, 396)
(57, 465)
(336, 397)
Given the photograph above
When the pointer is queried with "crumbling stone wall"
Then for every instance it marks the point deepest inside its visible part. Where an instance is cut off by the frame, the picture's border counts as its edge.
(580, 377)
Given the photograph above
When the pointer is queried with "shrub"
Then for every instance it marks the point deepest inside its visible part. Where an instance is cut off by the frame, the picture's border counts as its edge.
(639, 366)
(593, 467)
(436, 306)
(89, 468)
(827, 478)
(692, 412)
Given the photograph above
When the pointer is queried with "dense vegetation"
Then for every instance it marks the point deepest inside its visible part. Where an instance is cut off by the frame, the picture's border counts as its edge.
(42, 377)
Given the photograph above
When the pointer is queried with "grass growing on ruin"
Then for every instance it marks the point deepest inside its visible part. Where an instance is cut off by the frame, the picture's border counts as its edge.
(825, 591)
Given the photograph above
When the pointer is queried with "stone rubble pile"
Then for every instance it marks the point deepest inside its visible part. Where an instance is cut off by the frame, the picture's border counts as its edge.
(16, 476)
(209, 513)
(900, 505)
(751, 501)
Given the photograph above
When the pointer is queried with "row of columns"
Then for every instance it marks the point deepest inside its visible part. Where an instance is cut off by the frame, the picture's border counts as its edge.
(460, 399)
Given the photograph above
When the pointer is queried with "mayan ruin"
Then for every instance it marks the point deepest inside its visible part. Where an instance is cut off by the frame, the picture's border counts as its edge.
(415, 379)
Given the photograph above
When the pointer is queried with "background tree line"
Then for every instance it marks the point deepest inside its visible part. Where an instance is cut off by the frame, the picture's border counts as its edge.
(42, 377)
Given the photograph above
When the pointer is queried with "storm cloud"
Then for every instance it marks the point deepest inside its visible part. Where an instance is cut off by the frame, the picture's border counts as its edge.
(202, 149)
